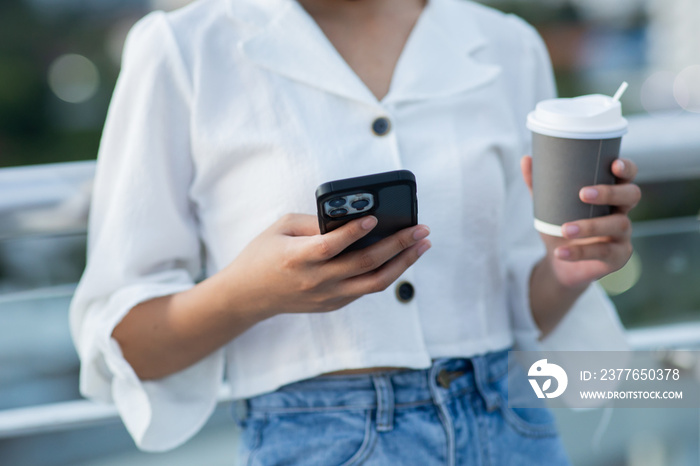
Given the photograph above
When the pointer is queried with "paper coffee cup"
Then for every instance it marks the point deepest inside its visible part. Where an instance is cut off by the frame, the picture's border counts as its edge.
(574, 143)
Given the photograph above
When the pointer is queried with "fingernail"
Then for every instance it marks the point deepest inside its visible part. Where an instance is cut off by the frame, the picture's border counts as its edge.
(423, 248)
(620, 165)
(589, 193)
(562, 253)
(570, 231)
(421, 233)
(369, 223)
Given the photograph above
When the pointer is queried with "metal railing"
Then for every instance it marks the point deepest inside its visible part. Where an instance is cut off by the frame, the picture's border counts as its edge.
(67, 415)
(53, 199)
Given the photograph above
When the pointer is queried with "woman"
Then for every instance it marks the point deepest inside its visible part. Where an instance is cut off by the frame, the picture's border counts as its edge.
(227, 115)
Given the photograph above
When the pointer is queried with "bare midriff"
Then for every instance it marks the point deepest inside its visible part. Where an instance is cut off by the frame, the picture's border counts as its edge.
(368, 370)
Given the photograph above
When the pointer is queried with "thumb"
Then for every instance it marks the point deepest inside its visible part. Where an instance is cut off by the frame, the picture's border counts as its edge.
(526, 169)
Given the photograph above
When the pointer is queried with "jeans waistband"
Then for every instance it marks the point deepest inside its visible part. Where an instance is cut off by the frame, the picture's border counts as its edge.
(387, 390)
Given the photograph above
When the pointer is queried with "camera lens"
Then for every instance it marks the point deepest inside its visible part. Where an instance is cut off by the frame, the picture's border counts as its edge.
(338, 212)
(360, 204)
(337, 202)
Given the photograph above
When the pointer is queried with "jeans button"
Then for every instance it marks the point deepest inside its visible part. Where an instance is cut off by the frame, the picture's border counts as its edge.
(443, 379)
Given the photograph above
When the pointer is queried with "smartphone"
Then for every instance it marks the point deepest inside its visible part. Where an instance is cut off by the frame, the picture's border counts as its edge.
(389, 196)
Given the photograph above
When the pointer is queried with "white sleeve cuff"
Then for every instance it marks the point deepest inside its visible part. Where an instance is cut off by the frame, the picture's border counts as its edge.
(163, 414)
(592, 324)
(159, 414)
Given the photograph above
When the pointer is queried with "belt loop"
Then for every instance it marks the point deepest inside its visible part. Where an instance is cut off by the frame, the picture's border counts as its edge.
(385, 402)
(481, 376)
(239, 411)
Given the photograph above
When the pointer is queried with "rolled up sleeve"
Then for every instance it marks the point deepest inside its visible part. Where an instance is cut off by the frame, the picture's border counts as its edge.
(143, 241)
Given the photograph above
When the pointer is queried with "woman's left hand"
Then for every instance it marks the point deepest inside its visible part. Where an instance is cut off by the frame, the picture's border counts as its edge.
(593, 248)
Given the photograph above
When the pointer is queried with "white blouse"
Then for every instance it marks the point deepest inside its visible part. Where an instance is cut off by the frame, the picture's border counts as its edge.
(229, 113)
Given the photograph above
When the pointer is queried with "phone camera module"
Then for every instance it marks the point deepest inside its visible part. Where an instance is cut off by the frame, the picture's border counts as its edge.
(337, 202)
(350, 204)
(338, 212)
(360, 204)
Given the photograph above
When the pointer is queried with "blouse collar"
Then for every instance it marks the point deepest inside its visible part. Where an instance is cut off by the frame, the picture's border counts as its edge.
(437, 60)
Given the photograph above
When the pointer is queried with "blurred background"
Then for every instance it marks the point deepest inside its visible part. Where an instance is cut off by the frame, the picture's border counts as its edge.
(59, 60)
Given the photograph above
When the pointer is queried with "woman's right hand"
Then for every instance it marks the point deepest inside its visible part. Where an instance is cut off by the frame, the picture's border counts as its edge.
(291, 267)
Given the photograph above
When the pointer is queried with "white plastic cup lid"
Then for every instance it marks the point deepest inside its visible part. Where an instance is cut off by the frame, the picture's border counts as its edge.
(587, 117)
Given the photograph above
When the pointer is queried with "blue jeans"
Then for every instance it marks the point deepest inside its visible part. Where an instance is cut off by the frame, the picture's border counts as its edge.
(455, 413)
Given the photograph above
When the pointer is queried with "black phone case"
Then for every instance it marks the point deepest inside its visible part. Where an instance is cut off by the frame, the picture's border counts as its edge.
(396, 204)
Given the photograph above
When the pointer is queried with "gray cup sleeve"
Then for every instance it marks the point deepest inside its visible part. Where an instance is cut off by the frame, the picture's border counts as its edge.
(561, 167)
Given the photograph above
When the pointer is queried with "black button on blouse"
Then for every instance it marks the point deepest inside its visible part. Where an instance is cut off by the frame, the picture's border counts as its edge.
(404, 292)
(381, 126)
